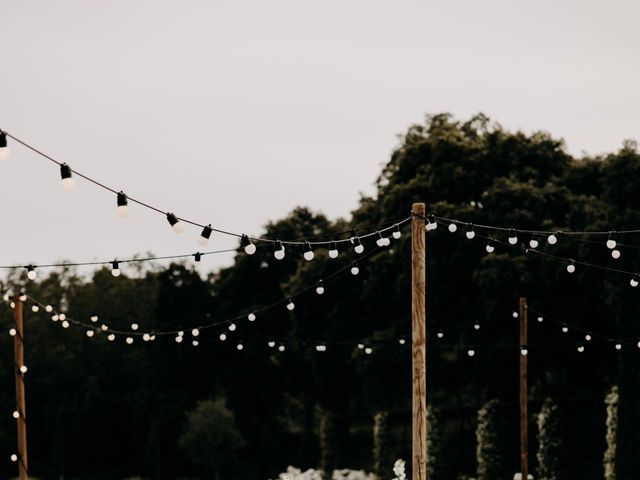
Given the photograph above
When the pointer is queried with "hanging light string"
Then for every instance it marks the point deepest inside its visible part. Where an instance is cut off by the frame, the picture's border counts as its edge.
(318, 286)
(177, 222)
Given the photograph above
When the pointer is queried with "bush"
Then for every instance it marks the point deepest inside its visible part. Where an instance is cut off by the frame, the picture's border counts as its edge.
(490, 450)
(550, 442)
(611, 400)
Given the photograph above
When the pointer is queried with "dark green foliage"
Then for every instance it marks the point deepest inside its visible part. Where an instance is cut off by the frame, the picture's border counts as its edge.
(612, 401)
(436, 464)
(551, 442)
(327, 445)
(210, 438)
(382, 461)
(491, 438)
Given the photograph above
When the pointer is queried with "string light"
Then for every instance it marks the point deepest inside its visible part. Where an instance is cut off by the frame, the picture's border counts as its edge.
(440, 334)
(203, 239)
(111, 337)
(533, 243)
(222, 337)
(634, 281)
(115, 269)
(396, 232)
(587, 337)
(129, 340)
(320, 288)
(146, 337)
(580, 349)
(48, 309)
(358, 248)
(16, 414)
(540, 319)
(355, 270)
(321, 348)
(453, 228)
(281, 348)
(249, 247)
(514, 314)
(402, 341)
(5, 151)
(615, 254)
(90, 333)
(195, 343)
(54, 317)
(470, 233)
(552, 239)
(618, 346)
(134, 326)
(381, 241)
(62, 316)
(23, 369)
(278, 250)
(176, 225)
(565, 329)
(239, 347)
(571, 267)
(251, 317)
(195, 332)
(308, 252)
(431, 224)
(68, 182)
(178, 339)
(471, 352)
(611, 241)
(476, 326)
(122, 208)
(524, 351)
(23, 297)
(290, 305)
(31, 272)
(14, 457)
(13, 332)
(513, 238)
(271, 344)
(233, 327)
(65, 324)
(490, 248)
(104, 327)
(333, 250)
(368, 350)
(35, 308)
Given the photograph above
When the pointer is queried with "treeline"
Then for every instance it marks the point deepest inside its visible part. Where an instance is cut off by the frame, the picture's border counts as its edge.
(110, 410)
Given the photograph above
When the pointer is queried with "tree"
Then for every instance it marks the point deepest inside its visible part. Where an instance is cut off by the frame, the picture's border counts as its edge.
(436, 467)
(551, 445)
(381, 453)
(210, 438)
(490, 451)
(611, 401)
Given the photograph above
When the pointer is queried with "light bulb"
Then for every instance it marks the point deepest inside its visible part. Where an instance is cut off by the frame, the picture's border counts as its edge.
(615, 254)
(515, 315)
(618, 346)
(134, 326)
(23, 297)
(320, 288)
(358, 248)
(355, 270)
(48, 308)
(31, 272)
(195, 332)
(587, 337)
(368, 350)
(129, 340)
(249, 247)
(571, 267)
(90, 333)
(16, 414)
(471, 353)
(176, 225)
(440, 334)
(104, 327)
(251, 317)
(402, 341)
(232, 327)
(55, 317)
(470, 233)
(513, 238)
(12, 304)
(115, 269)
(524, 352)
(146, 337)
(271, 344)
(540, 319)
(552, 239)
(308, 253)
(333, 250)
(476, 326)
(14, 457)
(35, 308)
(432, 224)
(62, 316)
(203, 239)
(381, 241)
(565, 329)
(278, 250)
(65, 324)
(396, 232)
(94, 318)
(321, 348)
(23, 369)
(111, 337)
(281, 348)
(13, 332)
(453, 227)
(68, 182)
(580, 349)
(634, 281)
(195, 343)
(533, 243)
(611, 241)
(122, 208)
(290, 305)
(179, 339)
(5, 151)
(490, 248)
(361, 346)
(239, 347)
(223, 337)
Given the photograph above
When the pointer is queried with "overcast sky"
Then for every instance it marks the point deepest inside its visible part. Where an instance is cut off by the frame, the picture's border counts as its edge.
(234, 112)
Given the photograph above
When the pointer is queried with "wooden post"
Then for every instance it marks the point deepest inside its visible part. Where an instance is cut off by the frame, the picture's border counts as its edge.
(18, 342)
(524, 434)
(418, 310)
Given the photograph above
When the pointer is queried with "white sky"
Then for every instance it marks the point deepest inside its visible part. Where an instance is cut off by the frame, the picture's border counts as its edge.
(234, 112)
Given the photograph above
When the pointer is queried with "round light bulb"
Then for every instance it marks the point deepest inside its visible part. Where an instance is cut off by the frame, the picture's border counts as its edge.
(239, 347)
(178, 227)
(13, 332)
(65, 324)
(279, 254)
(5, 153)
(48, 308)
(565, 329)
(16, 414)
(490, 248)
(195, 343)
(62, 316)
(440, 334)
(453, 227)
(281, 348)
(611, 244)
(129, 340)
(35, 308)
(633, 282)
(476, 326)
(333, 253)
(104, 327)
(122, 211)
(615, 254)
(90, 333)
(115, 272)
(32, 274)
(223, 337)
(580, 349)
(359, 248)
(618, 346)
(179, 339)
(291, 305)
(368, 350)
(111, 337)
(533, 243)
(587, 337)
(571, 268)
(524, 352)
(471, 353)
(94, 318)
(396, 234)
(319, 289)
(68, 184)
(202, 241)
(146, 337)
(355, 270)
(23, 369)
(308, 255)
(55, 317)
(513, 240)
(250, 249)
(552, 239)
(251, 317)
(134, 326)
(14, 457)
(195, 332)
(470, 234)
(232, 327)
(271, 344)
(540, 319)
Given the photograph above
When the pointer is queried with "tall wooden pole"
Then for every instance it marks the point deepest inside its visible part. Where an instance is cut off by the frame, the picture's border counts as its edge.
(524, 398)
(418, 311)
(18, 342)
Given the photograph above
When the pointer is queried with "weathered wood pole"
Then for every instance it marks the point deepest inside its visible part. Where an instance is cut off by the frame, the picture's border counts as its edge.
(524, 398)
(18, 343)
(418, 311)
